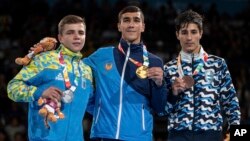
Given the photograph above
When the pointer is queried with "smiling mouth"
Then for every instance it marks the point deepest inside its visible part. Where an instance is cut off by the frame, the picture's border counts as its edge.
(130, 31)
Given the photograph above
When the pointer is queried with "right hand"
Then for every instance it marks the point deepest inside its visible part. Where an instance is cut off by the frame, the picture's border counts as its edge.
(52, 93)
(156, 74)
(178, 86)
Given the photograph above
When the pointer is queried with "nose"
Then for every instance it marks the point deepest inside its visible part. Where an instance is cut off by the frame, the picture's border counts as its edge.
(131, 24)
(189, 36)
(76, 36)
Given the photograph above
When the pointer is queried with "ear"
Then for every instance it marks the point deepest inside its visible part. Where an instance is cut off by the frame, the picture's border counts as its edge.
(201, 33)
(143, 27)
(118, 26)
(177, 35)
(59, 36)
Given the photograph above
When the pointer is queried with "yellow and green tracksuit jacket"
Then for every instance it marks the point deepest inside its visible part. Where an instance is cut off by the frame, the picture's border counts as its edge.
(43, 72)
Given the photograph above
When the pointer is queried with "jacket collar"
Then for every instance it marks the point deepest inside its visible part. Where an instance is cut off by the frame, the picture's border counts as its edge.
(65, 51)
(133, 47)
(187, 57)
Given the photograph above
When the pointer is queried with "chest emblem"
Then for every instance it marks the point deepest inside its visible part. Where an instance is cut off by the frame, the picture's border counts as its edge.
(209, 76)
(108, 66)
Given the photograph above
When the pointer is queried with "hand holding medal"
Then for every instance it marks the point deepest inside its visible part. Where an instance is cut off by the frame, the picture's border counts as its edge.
(188, 80)
(155, 74)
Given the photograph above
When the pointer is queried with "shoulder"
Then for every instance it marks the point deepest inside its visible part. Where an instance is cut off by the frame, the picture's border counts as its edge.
(216, 60)
(102, 50)
(171, 62)
(99, 55)
(153, 56)
(46, 59)
(154, 59)
(48, 55)
(214, 57)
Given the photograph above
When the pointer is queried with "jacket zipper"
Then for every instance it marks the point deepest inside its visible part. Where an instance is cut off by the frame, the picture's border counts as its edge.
(192, 65)
(121, 94)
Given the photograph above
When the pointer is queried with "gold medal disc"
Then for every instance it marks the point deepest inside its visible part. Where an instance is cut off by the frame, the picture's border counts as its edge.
(141, 72)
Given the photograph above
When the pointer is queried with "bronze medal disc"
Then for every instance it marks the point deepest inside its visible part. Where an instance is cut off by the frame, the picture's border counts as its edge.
(141, 72)
(188, 80)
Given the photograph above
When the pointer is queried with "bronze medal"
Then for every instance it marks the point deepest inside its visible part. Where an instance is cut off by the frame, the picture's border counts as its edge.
(188, 80)
(141, 72)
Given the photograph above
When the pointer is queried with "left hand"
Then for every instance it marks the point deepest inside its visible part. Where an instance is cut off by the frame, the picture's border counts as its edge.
(156, 74)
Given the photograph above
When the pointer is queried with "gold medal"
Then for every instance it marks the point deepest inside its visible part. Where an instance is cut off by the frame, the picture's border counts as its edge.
(141, 72)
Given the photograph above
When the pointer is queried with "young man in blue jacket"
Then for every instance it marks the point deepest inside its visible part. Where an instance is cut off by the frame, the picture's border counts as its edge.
(52, 74)
(129, 84)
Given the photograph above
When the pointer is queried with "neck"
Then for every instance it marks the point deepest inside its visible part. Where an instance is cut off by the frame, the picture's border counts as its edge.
(132, 42)
(196, 51)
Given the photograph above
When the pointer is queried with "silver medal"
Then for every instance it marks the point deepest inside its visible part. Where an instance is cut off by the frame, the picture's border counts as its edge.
(68, 95)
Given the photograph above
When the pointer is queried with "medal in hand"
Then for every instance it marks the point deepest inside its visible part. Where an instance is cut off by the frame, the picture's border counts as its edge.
(68, 95)
(188, 80)
(142, 71)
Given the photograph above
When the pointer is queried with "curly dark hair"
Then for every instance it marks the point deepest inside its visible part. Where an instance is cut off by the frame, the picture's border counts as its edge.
(188, 17)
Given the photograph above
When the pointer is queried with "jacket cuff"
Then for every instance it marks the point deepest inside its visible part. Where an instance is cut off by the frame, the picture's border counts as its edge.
(37, 94)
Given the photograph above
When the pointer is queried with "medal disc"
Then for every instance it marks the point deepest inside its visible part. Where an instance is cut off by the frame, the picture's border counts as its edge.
(141, 72)
(67, 96)
(188, 80)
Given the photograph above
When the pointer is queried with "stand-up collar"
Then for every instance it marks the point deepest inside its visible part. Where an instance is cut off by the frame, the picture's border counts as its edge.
(133, 47)
(187, 57)
(66, 51)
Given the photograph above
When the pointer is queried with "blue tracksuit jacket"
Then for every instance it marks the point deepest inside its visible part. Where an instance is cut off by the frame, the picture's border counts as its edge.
(199, 110)
(122, 108)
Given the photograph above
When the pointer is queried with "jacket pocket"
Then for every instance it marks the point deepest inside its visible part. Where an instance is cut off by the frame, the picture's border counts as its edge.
(98, 111)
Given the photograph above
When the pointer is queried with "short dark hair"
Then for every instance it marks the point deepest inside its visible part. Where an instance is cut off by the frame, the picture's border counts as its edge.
(188, 17)
(130, 9)
(69, 19)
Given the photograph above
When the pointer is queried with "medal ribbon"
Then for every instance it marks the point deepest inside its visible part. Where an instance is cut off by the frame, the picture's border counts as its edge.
(197, 69)
(138, 64)
(65, 72)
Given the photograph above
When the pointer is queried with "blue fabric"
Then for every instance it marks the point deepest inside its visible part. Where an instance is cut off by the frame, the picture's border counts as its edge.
(135, 102)
(46, 71)
(195, 136)
(200, 108)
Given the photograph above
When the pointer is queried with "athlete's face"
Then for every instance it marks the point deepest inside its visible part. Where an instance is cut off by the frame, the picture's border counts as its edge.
(73, 36)
(131, 26)
(189, 36)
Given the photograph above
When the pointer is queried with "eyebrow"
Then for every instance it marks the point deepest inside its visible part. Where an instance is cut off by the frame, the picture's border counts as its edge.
(126, 18)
